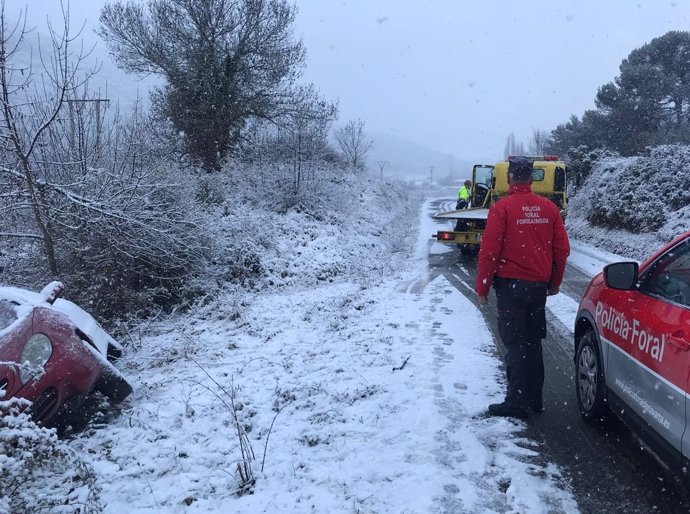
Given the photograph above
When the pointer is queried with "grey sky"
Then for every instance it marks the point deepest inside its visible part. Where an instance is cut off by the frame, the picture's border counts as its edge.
(457, 75)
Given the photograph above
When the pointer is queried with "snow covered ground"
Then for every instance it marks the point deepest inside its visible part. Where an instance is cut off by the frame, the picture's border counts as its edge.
(355, 397)
(359, 392)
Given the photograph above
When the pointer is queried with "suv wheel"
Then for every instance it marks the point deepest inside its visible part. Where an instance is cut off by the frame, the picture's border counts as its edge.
(589, 379)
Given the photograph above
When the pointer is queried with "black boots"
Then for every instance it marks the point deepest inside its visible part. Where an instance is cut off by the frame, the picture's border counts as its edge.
(508, 411)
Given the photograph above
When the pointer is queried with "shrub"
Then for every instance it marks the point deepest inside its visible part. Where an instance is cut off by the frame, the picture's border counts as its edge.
(38, 472)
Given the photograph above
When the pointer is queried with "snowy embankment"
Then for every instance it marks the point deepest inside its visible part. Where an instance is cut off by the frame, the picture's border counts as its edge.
(358, 394)
(633, 205)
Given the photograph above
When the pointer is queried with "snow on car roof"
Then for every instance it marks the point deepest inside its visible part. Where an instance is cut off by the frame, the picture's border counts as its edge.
(19, 304)
(77, 316)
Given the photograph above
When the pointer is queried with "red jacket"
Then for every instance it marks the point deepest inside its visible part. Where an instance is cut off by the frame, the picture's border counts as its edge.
(524, 239)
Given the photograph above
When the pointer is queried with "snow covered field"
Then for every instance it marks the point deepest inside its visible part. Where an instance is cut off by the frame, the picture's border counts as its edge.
(356, 397)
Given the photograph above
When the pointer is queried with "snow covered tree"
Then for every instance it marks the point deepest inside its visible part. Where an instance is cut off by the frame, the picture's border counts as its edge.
(304, 132)
(589, 131)
(30, 109)
(223, 61)
(655, 78)
(90, 188)
(354, 143)
(647, 104)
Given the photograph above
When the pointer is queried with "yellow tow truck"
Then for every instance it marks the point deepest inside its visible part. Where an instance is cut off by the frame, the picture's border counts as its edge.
(489, 184)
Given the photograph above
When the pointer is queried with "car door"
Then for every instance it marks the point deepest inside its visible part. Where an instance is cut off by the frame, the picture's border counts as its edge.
(482, 183)
(658, 339)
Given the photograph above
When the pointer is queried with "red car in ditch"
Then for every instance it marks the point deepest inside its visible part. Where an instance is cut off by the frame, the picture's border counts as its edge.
(53, 353)
(632, 349)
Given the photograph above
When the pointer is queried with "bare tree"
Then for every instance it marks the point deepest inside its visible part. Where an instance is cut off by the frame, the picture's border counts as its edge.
(354, 143)
(29, 109)
(305, 130)
(513, 147)
(224, 62)
(90, 188)
(539, 142)
(290, 150)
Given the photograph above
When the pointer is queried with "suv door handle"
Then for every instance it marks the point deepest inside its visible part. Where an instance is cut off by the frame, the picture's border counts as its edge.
(678, 340)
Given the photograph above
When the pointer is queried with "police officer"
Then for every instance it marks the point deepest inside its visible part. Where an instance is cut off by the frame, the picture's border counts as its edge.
(523, 254)
(464, 195)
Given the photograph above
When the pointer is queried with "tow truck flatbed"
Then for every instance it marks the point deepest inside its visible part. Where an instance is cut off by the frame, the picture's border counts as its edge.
(463, 214)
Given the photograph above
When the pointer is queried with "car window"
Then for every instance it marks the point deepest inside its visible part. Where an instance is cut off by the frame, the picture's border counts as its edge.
(537, 175)
(669, 277)
(8, 314)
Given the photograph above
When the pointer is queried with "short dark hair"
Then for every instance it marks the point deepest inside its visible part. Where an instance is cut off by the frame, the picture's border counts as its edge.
(520, 169)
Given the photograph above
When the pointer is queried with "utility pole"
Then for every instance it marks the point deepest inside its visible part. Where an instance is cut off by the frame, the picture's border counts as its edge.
(381, 165)
(431, 175)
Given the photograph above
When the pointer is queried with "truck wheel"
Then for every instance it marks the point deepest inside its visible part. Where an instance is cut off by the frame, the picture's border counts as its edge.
(467, 250)
(113, 386)
(589, 379)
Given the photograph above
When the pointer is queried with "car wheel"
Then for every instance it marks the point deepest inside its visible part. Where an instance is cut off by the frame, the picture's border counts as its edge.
(589, 379)
(113, 386)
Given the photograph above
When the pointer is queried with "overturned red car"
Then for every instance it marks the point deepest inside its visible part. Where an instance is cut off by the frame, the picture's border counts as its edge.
(53, 353)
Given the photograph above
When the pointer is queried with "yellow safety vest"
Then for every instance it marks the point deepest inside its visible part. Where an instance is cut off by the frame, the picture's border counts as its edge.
(464, 194)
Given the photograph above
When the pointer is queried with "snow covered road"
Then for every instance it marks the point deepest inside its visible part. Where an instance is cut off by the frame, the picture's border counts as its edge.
(604, 465)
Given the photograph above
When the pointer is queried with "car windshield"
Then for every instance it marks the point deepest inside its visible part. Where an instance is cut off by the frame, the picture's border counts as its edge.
(8, 314)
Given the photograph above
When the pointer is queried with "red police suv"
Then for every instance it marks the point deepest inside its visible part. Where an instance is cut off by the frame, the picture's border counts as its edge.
(632, 349)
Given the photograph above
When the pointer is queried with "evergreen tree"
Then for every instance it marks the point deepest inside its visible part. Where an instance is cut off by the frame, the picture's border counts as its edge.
(223, 61)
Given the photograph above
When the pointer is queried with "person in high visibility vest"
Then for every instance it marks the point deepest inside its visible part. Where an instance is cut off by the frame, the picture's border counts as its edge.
(464, 195)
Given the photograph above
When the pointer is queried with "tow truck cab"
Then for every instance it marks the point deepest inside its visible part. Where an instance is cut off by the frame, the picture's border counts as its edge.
(489, 184)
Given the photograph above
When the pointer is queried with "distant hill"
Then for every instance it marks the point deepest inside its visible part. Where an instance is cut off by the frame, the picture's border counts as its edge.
(410, 160)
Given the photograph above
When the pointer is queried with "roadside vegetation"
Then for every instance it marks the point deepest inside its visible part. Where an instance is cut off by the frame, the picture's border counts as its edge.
(123, 207)
(224, 184)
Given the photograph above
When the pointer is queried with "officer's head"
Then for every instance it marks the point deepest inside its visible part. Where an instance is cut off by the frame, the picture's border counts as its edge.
(468, 183)
(519, 170)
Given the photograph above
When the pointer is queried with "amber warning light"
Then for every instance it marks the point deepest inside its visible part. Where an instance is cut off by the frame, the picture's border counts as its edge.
(537, 157)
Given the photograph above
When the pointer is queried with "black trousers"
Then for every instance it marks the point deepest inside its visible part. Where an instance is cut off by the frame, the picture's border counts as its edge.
(522, 326)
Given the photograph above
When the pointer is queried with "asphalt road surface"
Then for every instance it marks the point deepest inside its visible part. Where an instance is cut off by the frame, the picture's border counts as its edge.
(607, 466)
